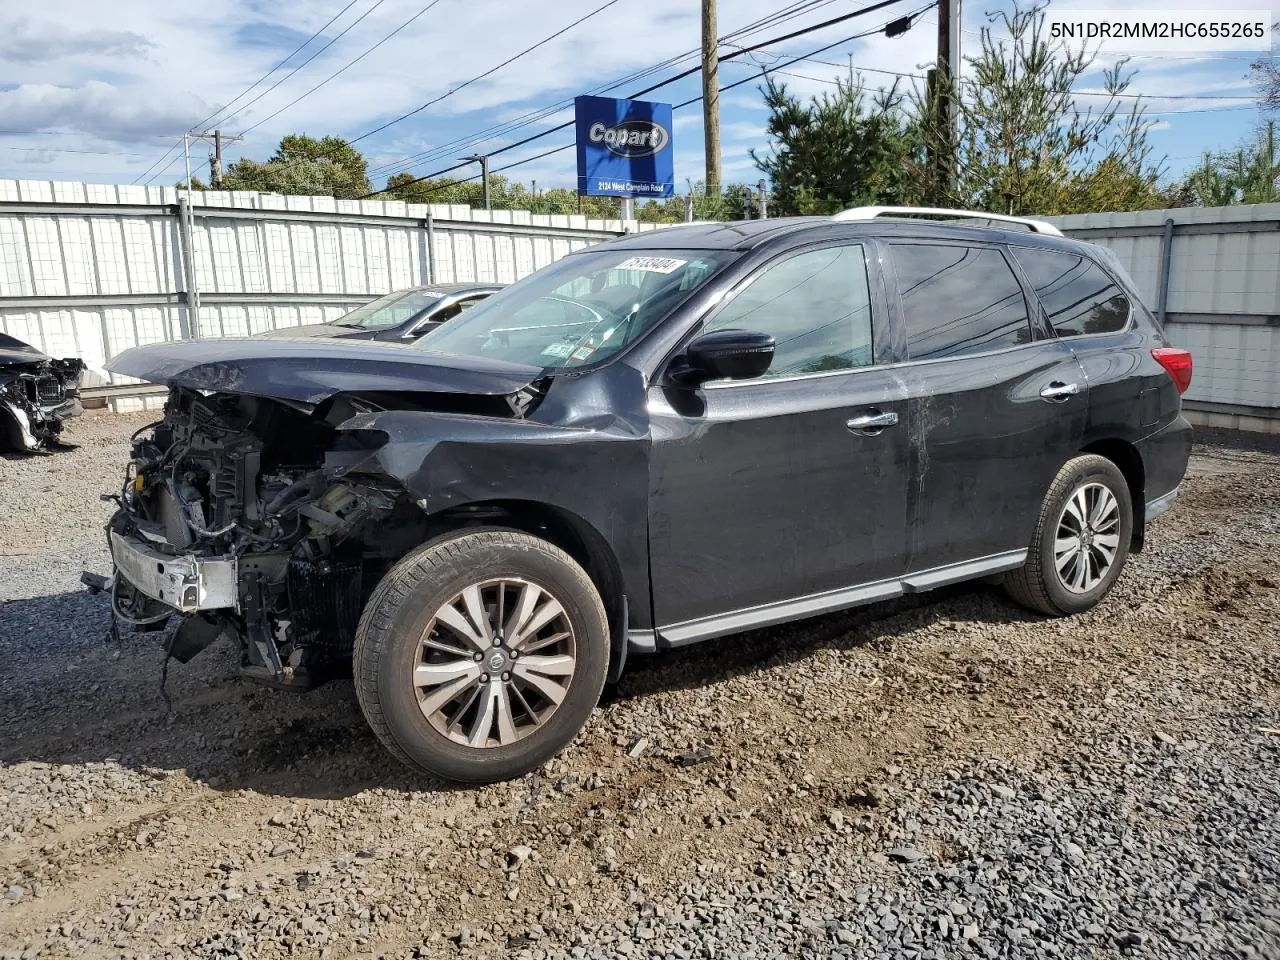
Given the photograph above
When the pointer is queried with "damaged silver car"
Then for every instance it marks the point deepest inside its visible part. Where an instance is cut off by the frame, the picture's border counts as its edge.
(37, 393)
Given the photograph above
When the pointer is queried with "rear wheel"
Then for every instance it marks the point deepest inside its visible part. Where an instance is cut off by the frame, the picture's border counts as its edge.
(480, 656)
(1081, 540)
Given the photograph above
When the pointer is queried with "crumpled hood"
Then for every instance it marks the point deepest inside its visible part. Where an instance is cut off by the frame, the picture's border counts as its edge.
(13, 350)
(310, 371)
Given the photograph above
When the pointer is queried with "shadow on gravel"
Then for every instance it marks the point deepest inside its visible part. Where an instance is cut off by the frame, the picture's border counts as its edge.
(74, 696)
(870, 626)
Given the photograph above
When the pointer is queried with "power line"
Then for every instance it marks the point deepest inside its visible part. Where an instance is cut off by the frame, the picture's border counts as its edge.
(73, 133)
(227, 119)
(470, 140)
(569, 146)
(680, 76)
(492, 70)
(464, 84)
(296, 50)
(345, 30)
(253, 86)
(1150, 113)
(348, 65)
(1075, 93)
(96, 153)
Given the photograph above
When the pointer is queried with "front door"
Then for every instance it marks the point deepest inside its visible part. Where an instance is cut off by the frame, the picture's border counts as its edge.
(790, 486)
(996, 404)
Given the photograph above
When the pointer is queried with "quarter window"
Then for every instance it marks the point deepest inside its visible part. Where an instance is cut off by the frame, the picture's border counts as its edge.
(1077, 294)
(958, 300)
(817, 307)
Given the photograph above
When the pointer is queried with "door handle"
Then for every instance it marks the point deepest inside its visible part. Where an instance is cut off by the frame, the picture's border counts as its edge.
(871, 424)
(1057, 391)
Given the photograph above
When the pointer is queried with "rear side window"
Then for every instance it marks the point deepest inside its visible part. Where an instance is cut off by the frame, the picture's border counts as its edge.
(817, 306)
(958, 300)
(1077, 294)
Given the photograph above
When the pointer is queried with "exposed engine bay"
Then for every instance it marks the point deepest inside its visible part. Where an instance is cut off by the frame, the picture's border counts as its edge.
(257, 519)
(37, 393)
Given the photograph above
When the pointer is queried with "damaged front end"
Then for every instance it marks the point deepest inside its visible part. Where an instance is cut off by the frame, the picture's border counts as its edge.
(37, 393)
(257, 518)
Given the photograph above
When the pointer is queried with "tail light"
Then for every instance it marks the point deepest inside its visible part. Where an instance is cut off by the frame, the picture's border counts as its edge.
(1177, 363)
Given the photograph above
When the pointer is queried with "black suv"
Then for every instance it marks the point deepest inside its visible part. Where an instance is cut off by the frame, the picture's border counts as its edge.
(654, 441)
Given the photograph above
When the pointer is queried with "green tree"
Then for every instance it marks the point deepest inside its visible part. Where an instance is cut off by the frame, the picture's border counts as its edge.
(1250, 174)
(504, 194)
(303, 165)
(839, 150)
(1024, 145)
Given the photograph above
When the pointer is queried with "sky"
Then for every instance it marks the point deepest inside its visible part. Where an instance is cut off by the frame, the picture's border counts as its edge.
(100, 92)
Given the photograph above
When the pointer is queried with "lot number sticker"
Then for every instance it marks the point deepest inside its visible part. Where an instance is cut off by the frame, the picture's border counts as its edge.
(652, 264)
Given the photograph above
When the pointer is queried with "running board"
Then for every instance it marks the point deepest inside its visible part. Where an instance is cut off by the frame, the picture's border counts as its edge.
(769, 614)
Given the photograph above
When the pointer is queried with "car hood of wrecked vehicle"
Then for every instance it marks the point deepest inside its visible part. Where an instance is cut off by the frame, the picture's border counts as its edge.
(13, 350)
(311, 371)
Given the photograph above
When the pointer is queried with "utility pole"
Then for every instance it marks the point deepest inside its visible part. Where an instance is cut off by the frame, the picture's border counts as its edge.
(484, 174)
(187, 230)
(763, 200)
(711, 95)
(217, 138)
(946, 85)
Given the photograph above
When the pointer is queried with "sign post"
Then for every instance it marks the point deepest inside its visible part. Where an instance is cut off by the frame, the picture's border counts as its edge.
(624, 150)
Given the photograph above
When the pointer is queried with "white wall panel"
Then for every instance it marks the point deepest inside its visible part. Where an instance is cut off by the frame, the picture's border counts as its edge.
(88, 253)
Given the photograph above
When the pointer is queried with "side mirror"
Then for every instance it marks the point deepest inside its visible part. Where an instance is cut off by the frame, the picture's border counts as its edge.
(725, 355)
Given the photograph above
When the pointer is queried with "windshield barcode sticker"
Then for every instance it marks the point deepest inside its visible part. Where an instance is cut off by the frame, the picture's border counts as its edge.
(652, 264)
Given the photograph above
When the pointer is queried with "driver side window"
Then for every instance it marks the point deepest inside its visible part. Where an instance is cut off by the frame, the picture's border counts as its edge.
(817, 307)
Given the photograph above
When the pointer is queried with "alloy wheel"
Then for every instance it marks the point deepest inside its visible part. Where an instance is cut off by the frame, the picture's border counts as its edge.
(1087, 538)
(495, 662)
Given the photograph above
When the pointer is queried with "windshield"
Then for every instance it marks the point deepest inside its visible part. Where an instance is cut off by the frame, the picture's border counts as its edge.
(389, 311)
(579, 310)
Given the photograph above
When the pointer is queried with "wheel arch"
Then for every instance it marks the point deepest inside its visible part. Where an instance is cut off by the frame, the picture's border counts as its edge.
(1129, 462)
(571, 533)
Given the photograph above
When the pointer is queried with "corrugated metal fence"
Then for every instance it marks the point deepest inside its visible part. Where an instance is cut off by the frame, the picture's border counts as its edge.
(89, 270)
(1213, 273)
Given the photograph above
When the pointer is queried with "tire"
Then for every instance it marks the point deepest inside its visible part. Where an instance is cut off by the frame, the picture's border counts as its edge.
(1077, 489)
(436, 699)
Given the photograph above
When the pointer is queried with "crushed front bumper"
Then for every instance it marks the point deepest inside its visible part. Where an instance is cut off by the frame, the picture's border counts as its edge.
(188, 584)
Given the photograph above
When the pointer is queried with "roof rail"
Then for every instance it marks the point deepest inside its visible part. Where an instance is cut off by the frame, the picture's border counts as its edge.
(870, 213)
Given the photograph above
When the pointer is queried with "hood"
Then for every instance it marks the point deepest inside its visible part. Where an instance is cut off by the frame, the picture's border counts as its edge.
(310, 371)
(309, 330)
(13, 350)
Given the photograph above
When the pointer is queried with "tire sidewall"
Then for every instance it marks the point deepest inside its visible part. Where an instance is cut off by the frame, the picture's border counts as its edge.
(1093, 471)
(476, 558)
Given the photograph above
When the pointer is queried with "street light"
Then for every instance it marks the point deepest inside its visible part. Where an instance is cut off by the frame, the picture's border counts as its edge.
(484, 173)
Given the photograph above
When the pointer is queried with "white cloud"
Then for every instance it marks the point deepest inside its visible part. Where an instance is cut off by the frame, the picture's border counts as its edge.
(25, 41)
(132, 69)
(97, 109)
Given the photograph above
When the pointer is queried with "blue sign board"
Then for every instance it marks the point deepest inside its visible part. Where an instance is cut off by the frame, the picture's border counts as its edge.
(624, 148)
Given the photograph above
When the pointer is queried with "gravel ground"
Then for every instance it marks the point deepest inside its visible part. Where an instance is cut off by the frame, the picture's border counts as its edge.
(944, 776)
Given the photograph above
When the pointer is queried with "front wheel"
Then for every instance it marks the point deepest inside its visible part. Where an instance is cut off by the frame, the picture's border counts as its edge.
(480, 656)
(1081, 540)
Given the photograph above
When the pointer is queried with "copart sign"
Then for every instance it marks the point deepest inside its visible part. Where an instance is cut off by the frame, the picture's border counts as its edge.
(624, 148)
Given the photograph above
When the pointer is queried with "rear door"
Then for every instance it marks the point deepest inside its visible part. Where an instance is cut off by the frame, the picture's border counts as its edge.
(996, 404)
